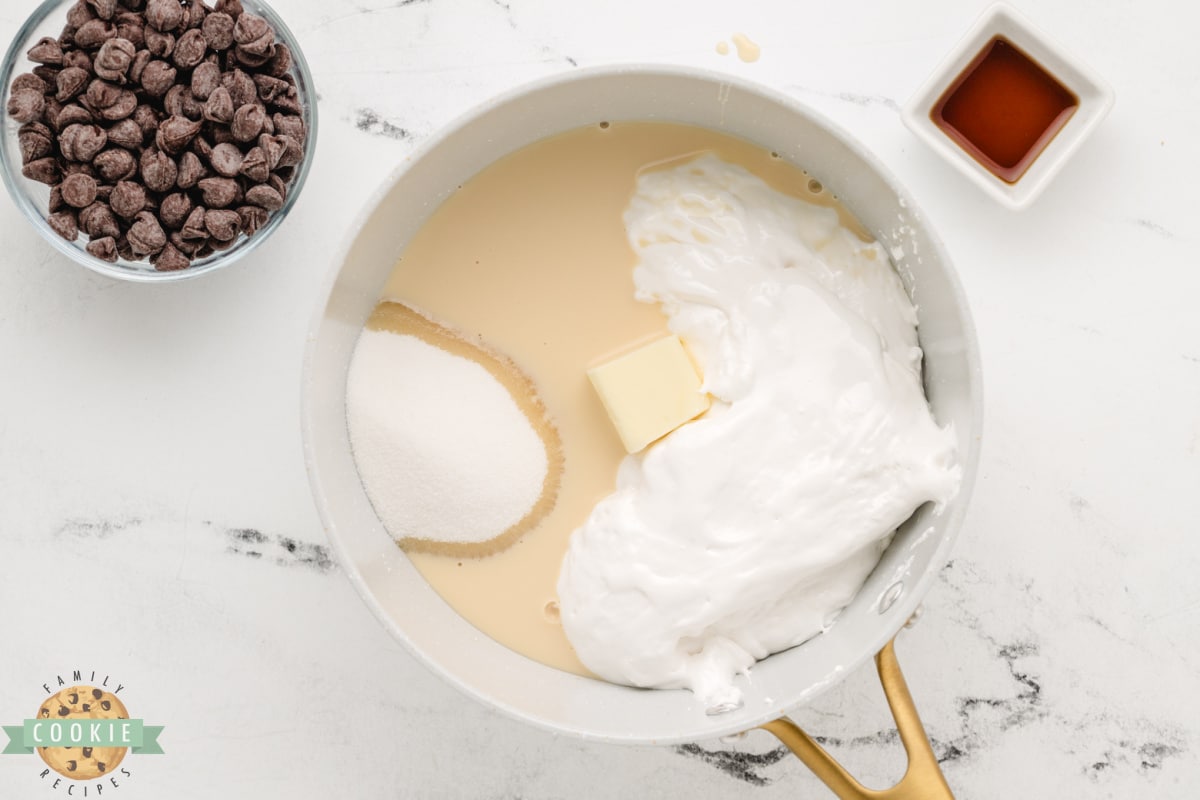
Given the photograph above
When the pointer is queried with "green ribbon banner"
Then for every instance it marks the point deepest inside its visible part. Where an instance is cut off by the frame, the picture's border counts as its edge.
(131, 733)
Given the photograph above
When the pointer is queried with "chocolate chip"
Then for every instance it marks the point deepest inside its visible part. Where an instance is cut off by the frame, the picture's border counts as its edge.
(42, 170)
(226, 160)
(128, 199)
(194, 15)
(94, 33)
(265, 196)
(97, 694)
(80, 142)
(104, 8)
(201, 146)
(102, 94)
(248, 58)
(290, 125)
(157, 78)
(97, 221)
(79, 191)
(70, 82)
(79, 13)
(231, 7)
(78, 168)
(27, 80)
(174, 210)
(174, 134)
(218, 192)
(287, 103)
(191, 170)
(180, 102)
(240, 86)
(218, 30)
(146, 237)
(65, 225)
(193, 227)
(63, 711)
(26, 105)
(87, 751)
(46, 51)
(47, 74)
(73, 115)
(138, 66)
(170, 259)
(124, 250)
(121, 108)
(222, 224)
(269, 87)
(114, 58)
(35, 140)
(127, 134)
(164, 15)
(158, 170)
(292, 153)
(78, 59)
(280, 63)
(132, 28)
(205, 78)
(253, 218)
(87, 706)
(272, 147)
(71, 766)
(254, 35)
(103, 248)
(50, 115)
(115, 164)
(254, 165)
(100, 765)
(247, 122)
(159, 43)
(185, 246)
(189, 49)
(219, 106)
(146, 118)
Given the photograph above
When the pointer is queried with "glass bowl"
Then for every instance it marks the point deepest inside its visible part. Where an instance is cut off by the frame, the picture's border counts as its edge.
(33, 197)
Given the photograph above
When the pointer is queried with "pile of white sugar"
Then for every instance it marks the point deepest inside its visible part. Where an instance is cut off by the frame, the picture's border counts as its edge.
(444, 451)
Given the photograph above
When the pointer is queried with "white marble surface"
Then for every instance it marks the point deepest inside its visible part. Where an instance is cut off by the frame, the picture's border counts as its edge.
(156, 524)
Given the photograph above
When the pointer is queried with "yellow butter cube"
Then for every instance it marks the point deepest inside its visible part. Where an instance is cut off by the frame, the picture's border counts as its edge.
(649, 392)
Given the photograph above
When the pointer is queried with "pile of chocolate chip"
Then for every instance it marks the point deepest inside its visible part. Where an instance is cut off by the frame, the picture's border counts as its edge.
(165, 128)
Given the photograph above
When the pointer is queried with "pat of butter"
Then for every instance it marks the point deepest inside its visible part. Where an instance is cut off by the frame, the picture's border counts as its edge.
(649, 392)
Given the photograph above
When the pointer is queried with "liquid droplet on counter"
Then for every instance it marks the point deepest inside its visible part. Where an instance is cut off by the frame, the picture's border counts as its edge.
(815, 186)
(551, 612)
(723, 48)
(747, 50)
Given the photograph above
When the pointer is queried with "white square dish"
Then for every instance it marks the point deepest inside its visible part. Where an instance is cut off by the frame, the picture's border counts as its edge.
(1093, 95)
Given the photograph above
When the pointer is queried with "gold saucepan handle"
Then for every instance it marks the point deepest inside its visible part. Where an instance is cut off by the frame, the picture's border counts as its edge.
(923, 780)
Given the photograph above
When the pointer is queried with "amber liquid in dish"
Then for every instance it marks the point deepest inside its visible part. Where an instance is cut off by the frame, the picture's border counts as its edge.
(1004, 109)
(530, 256)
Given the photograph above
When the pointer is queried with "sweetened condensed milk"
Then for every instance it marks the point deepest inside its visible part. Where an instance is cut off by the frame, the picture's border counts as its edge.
(530, 258)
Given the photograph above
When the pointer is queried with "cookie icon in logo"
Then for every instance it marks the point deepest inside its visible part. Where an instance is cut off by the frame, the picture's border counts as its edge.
(82, 702)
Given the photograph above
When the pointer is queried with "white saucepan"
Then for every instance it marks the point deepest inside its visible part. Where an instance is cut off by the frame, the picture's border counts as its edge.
(540, 695)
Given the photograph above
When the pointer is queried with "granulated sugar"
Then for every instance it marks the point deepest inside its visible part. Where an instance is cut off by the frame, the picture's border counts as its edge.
(445, 453)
